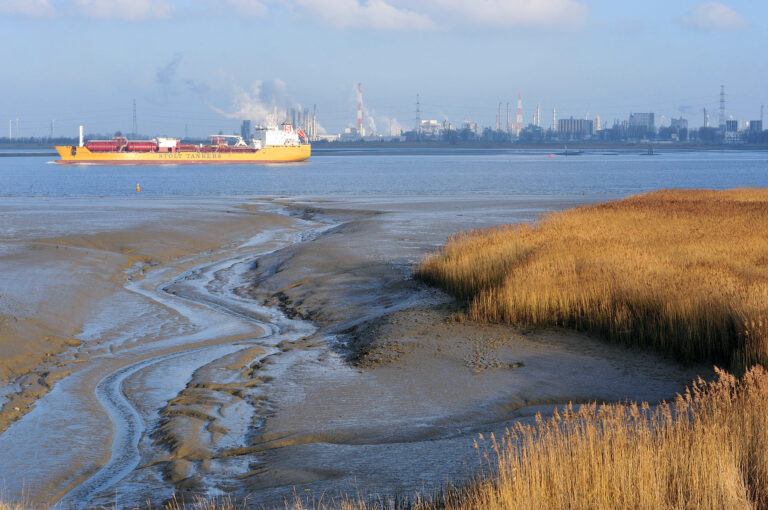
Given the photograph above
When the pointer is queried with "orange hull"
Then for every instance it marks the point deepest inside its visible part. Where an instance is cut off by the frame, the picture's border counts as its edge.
(72, 155)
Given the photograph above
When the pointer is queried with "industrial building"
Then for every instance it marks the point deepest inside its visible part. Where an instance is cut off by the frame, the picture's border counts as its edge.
(641, 125)
(574, 129)
(470, 128)
(679, 124)
(245, 130)
(431, 128)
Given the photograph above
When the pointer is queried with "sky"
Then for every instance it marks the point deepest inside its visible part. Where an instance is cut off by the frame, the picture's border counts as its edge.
(195, 67)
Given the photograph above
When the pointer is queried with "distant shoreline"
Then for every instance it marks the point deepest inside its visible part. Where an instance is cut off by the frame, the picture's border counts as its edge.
(384, 148)
(560, 146)
(27, 154)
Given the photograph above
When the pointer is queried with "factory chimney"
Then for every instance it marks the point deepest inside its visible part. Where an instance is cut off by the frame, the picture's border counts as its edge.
(509, 127)
(538, 115)
(314, 122)
(554, 119)
(360, 127)
(519, 119)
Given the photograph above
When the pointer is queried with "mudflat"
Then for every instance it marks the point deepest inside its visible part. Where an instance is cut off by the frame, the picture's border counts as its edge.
(267, 347)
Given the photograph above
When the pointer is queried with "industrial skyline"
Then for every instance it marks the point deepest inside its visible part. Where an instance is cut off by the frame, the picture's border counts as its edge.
(196, 67)
(634, 125)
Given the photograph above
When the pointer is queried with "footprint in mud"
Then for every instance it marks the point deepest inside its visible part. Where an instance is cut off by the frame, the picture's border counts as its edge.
(484, 356)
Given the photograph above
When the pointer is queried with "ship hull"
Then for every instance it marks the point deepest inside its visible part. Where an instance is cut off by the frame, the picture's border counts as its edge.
(263, 156)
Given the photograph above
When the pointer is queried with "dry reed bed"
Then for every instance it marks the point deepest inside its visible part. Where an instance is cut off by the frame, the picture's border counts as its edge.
(684, 272)
(708, 449)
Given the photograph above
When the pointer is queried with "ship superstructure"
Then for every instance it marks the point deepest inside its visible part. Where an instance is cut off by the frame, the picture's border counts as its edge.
(270, 145)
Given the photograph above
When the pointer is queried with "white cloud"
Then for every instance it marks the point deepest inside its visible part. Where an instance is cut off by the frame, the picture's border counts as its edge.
(376, 14)
(538, 13)
(409, 15)
(247, 7)
(31, 8)
(129, 10)
(400, 15)
(713, 16)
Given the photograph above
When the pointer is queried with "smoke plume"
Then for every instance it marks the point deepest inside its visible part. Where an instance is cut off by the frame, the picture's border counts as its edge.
(260, 103)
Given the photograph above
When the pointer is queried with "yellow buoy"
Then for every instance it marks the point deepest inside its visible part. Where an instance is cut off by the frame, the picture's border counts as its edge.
(138, 188)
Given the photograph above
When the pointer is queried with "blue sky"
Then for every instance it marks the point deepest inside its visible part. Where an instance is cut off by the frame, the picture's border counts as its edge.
(202, 65)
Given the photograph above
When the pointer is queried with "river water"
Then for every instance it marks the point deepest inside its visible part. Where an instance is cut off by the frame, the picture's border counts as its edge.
(401, 172)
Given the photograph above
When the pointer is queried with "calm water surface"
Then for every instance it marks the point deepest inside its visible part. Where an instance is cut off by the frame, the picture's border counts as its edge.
(400, 172)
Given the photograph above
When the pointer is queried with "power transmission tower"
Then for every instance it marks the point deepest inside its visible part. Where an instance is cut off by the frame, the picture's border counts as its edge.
(418, 115)
(135, 128)
(721, 119)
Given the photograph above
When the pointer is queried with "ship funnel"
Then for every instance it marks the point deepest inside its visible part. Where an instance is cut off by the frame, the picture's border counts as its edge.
(81, 136)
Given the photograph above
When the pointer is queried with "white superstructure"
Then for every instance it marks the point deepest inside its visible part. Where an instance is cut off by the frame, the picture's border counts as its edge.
(273, 137)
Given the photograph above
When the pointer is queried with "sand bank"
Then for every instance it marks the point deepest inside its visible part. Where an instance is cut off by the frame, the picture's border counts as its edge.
(81, 289)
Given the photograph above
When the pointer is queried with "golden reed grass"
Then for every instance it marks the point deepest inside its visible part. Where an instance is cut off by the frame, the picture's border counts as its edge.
(684, 272)
(708, 449)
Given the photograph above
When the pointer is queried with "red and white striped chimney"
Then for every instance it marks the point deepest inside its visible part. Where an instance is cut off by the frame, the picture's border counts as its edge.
(519, 119)
(360, 128)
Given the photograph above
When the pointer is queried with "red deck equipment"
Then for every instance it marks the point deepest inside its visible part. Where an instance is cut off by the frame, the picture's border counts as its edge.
(141, 146)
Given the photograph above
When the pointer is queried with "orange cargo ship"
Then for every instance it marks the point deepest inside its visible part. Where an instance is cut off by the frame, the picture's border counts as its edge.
(270, 146)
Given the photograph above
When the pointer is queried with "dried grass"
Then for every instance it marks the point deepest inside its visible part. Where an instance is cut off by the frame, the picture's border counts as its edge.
(684, 272)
